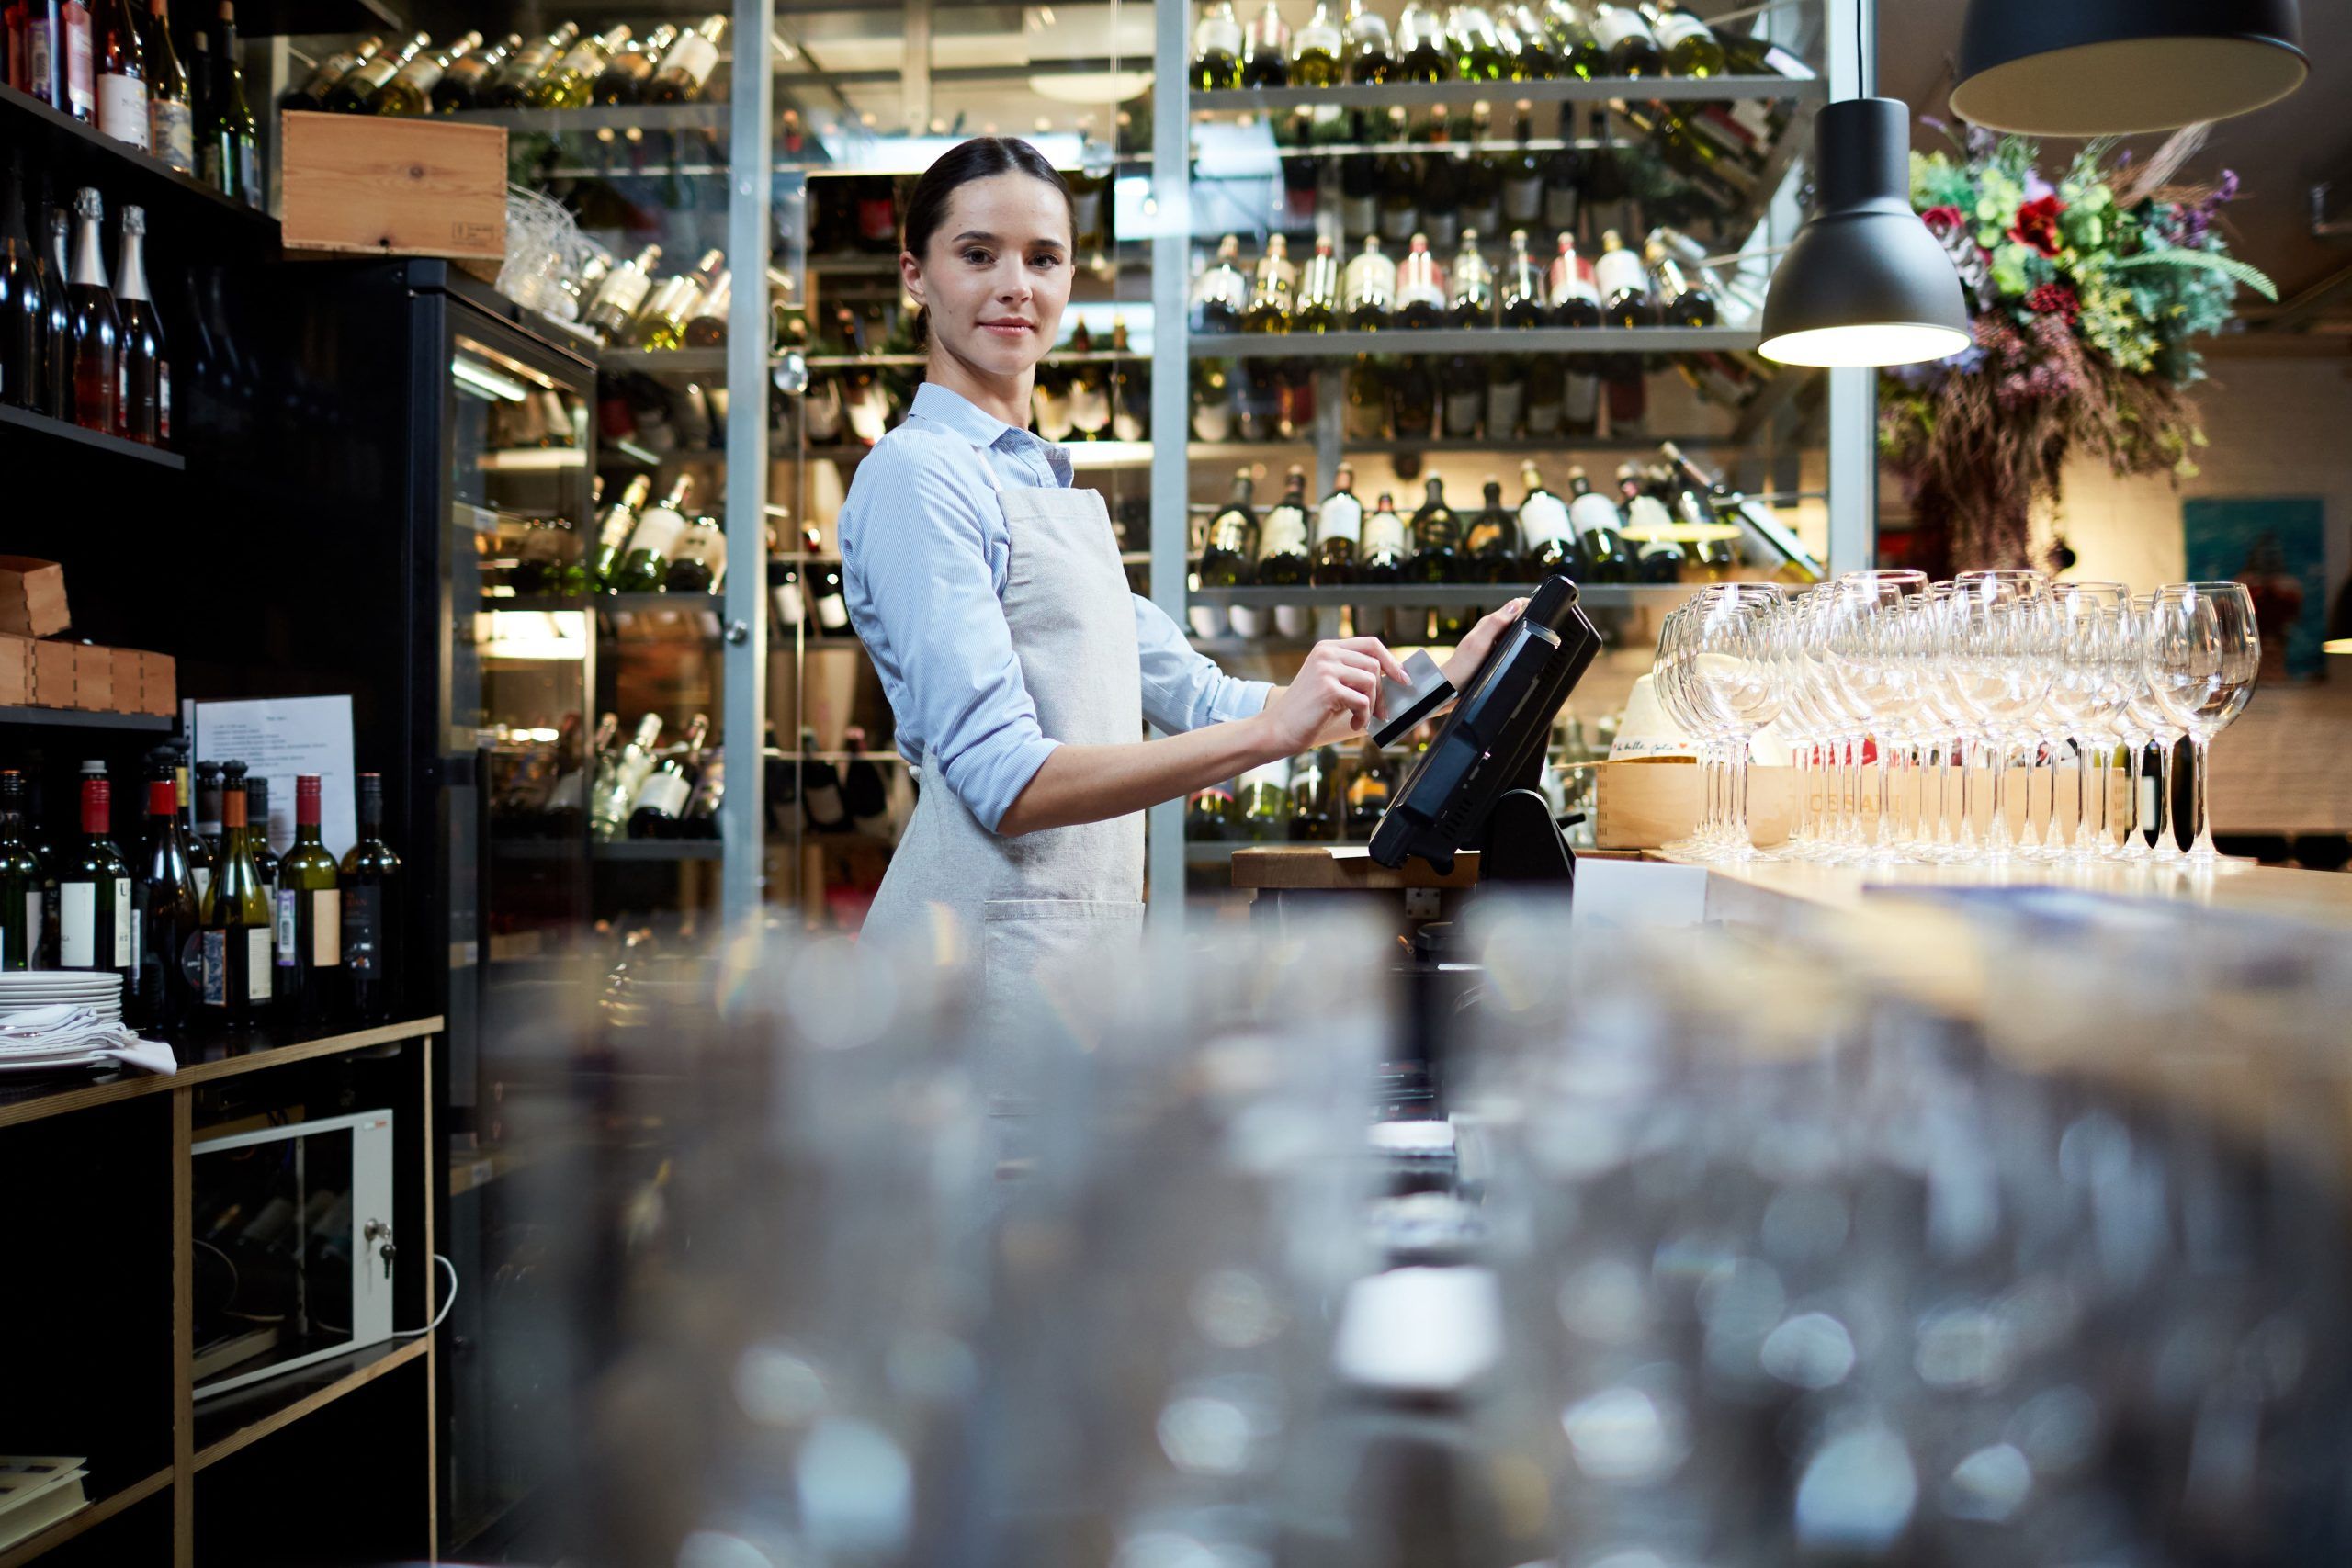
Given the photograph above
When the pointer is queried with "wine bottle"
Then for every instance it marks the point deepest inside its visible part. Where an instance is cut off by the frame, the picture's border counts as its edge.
(1658, 557)
(1130, 389)
(410, 92)
(566, 815)
(1221, 295)
(708, 327)
(1478, 52)
(1441, 193)
(826, 592)
(1461, 397)
(1365, 414)
(1270, 300)
(661, 796)
(1400, 186)
(1371, 56)
(165, 910)
(1623, 286)
(309, 917)
(1370, 291)
(568, 85)
(1437, 539)
(1281, 540)
(655, 539)
(311, 96)
(710, 791)
(24, 307)
(662, 322)
(234, 966)
(1572, 296)
(1626, 40)
(93, 889)
(513, 86)
(701, 563)
(1607, 557)
(145, 383)
(687, 69)
(1528, 42)
(1339, 529)
(1523, 298)
(1315, 51)
(1492, 544)
(370, 882)
(1048, 401)
(1547, 537)
(204, 852)
(1383, 543)
(1471, 296)
(228, 151)
(1579, 52)
(1369, 790)
(820, 789)
(1423, 53)
(121, 62)
(1265, 802)
(1319, 291)
(864, 799)
(1231, 539)
(1313, 818)
(1209, 815)
(1420, 287)
(357, 90)
(622, 292)
(625, 75)
(613, 532)
(171, 127)
(1265, 50)
(1564, 177)
(463, 80)
(257, 834)
(1412, 401)
(1216, 49)
(1688, 45)
(75, 62)
(1505, 396)
(1680, 303)
(94, 340)
(1546, 395)
(26, 889)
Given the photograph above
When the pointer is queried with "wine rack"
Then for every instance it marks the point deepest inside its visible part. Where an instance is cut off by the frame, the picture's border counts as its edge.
(1472, 340)
(1559, 90)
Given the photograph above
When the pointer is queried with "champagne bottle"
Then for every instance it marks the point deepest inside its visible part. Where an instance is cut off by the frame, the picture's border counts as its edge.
(1315, 49)
(1623, 286)
(1231, 540)
(568, 84)
(1689, 47)
(1371, 56)
(26, 889)
(410, 92)
(1383, 543)
(1492, 544)
(234, 964)
(1319, 291)
(1607, 557)
(513, 86)
(1420, 287)
(1423, 51)
(166, 918)
(627, 74)
(24, 305)
(1270, 301)
(685, 71)
(1221, 295)
(356, 90)
(93, 889)
(1471, 297)
(1626, 40)
(1574, 300)
(309, 940)
(461, 85)
(1313, 818)
(1339, 529)
(94, 340)
(1478, 52)
(1265, 802)
(1265, 50)
(144, 380)
(1282, 541)
(1216, 49)
(370, 882)
(1547, 536)
(311, 96)
(655, 539)
(660, 800)
(171, 129)
(121, 63)
(1370, 292)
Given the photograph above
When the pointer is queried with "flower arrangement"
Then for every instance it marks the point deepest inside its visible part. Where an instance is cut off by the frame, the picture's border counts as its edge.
(2087, 297)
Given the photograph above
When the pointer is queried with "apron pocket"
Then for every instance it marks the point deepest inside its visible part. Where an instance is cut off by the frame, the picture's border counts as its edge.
(1031, 949)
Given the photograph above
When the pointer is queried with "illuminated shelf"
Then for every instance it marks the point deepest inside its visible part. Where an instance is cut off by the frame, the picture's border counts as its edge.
(1572, 89)
(602, 116)
(1474, 340)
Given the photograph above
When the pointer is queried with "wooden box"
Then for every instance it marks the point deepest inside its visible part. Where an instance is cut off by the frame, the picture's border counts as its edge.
(93, 677)
(54, 674)
(16, 672)
(1645, 804)
(386, 186)
(159, 688)
(32, 597)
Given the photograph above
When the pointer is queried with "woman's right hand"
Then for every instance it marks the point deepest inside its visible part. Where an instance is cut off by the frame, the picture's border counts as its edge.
(1337, 690)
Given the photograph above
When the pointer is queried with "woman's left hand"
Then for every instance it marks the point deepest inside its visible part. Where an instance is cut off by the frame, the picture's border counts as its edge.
(1472, 652)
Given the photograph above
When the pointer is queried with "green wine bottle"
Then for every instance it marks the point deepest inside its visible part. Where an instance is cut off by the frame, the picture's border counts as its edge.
(647, 567)
(235, 963)
(370, 888)
(309, 917)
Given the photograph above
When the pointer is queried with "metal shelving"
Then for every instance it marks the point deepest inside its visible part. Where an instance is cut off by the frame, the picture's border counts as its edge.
(1432, 595)
(1475, 341)
(1559, 90)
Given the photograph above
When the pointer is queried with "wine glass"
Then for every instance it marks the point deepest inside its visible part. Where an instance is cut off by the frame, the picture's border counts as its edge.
(1731, 665)
(2000, 642)
(2083, 690)
(2203, 652)
(2163, 730)
(1865, 657)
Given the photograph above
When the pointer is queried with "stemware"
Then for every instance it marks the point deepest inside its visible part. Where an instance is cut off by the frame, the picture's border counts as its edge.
(1726, 679)
(1864, 643)
(2084, 690)
(2000, 639)
(2203, 653)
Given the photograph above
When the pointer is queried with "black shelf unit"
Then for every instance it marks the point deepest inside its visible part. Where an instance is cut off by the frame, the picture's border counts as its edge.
(81, 153)
(79, 719)
(34, 426)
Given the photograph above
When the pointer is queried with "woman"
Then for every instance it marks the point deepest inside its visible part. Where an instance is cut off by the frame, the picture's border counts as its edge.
(990, 595)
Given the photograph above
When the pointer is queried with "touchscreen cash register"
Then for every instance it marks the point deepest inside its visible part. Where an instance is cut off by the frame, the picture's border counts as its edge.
(1475, 787)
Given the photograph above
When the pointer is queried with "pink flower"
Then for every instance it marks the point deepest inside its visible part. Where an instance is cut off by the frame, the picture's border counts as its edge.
(1943, 221)
(2037, 225)
(2056, 300)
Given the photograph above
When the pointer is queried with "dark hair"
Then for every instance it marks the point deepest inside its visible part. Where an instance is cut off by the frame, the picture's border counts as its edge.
(981, 158)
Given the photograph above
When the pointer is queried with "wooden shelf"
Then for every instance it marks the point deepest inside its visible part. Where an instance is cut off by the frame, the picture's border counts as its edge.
(1572, 89)
(81, 719)
(80, 153)
(1474, 341)
(98, 441)
(203, 1058)
(98, 1511)
(239, 1420)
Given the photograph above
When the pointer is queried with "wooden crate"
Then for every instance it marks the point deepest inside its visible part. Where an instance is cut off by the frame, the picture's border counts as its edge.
(386, 186)
(93, 678)
(17, 670)
(1645, 804)
(32, 597)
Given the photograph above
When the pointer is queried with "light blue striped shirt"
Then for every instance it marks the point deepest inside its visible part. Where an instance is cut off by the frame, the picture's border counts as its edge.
(924, 552)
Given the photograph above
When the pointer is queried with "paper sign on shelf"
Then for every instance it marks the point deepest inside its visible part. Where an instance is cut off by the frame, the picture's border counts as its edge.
(277, 737)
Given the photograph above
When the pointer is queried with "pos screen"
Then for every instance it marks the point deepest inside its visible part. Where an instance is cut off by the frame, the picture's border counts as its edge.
(1493, 740)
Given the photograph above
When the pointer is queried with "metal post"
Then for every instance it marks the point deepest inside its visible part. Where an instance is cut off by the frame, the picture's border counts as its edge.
(745, 661)
(1171, 189)
(1853, 394)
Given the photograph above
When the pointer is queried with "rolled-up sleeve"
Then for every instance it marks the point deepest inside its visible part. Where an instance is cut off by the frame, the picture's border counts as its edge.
(922, 595)
(1182, 688)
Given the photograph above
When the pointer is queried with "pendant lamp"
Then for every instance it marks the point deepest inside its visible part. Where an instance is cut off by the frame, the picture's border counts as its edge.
(2113, 67)
(1865, 283)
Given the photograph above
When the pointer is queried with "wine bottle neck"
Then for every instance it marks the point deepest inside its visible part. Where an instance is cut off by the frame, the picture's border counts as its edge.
(89, 265)
(132, 282)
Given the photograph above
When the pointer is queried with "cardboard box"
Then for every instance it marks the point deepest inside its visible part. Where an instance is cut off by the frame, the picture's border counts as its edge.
(93, 677)
(387, 185)
(16, 672)
(32, 597)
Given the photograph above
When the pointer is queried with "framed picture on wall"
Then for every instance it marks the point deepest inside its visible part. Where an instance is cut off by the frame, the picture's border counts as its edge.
(2277, 545)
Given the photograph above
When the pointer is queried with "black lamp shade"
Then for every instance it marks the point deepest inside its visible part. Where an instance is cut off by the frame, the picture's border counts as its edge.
(1865, 283)
(2113, 67)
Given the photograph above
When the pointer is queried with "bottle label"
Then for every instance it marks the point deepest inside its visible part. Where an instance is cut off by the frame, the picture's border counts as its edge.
(173, 134)
(126, 945)
(584, 59)
(1313, 39)
(75, 18)
(1503, 402)
(1383, 535)
(1582, 404)
(1358, 214)
(326, 928)
(257, 964)
(35, 906)
(373, 75)
(1613, 25)
(77, 925)
(1398, 222)
(363, 933)
(1673, 27)
(1372, 279)
(1213, 418)
(662, 792)
(1462, 412)
(40, 60)
(286, 952)
(424, 74)
(1340, 518)
(1285, 533)
(692, 54)
(1418, 284)
(203, 885)
(138, 947)
(1541, 519)
(1619, 272)
(1572, 283)
(625, 291)
(832, 611)
(1594, 513)
(1089, 406)
(790, 609)
(1524, 197)
(214, 985)
(122, 109)
(248, 172)
(658, 531)
(1216, 34)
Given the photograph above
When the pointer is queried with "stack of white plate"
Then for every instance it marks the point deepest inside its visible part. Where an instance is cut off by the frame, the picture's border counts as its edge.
(99, 990)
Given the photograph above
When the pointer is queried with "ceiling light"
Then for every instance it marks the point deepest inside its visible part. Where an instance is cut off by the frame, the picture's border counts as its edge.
(2113, 67)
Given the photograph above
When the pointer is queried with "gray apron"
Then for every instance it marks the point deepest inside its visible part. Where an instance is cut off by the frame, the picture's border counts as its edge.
(1031, 911)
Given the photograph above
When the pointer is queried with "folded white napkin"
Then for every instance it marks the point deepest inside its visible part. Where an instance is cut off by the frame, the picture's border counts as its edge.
(63, 1034)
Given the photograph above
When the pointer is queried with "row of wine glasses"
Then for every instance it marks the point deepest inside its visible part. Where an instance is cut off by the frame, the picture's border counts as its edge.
(1894, 693)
